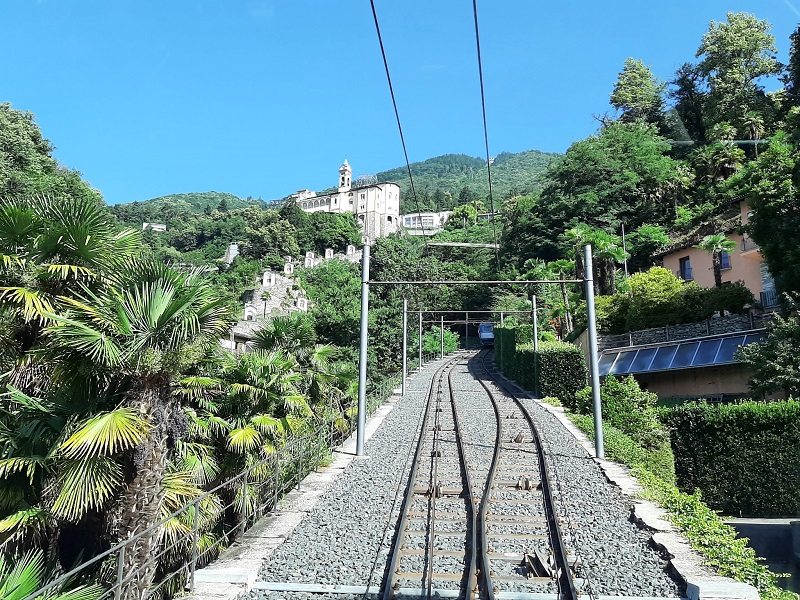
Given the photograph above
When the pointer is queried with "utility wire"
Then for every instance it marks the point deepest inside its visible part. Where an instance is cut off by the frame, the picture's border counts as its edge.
(485, 132)
(397, 116)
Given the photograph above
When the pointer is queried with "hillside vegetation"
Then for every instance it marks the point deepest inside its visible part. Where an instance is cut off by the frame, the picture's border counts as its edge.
(450, 180)
(173, 207)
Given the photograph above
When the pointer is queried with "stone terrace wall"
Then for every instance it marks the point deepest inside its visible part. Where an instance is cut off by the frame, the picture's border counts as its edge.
(712, 326)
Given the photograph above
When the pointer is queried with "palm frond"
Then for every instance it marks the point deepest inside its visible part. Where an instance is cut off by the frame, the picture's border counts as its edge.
(21, 578)
(243, 439)
(83, 485)
(107, 434)
(21, 464)
(32, 304)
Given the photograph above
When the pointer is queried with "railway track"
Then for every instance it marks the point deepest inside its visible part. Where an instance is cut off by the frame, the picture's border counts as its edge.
(497, 539)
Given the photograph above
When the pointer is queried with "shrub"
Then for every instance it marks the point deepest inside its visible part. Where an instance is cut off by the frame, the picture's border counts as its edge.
(628, 408)
(775, 362)
(718, 543)
(654, 296)
(732, 297)
(558, 370)
(745, 457)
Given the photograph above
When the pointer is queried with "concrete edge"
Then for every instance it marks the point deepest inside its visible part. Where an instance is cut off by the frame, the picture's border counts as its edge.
(686, 564)
(236, 570)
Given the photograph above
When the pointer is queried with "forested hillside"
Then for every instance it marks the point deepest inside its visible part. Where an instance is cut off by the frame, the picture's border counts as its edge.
(447, 181)
(173, 208)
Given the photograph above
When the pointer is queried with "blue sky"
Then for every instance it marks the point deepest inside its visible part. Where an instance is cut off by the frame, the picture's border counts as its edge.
(263, 97)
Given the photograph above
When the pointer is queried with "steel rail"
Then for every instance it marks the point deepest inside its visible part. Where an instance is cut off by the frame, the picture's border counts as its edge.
(408, 498)
(472, 576)
(565, 580)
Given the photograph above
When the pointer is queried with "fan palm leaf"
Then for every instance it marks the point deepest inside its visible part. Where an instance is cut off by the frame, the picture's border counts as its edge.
(83, 485)
(106, 434)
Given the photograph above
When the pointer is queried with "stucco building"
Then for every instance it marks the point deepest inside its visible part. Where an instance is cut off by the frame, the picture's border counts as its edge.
(376, 206)
(744, 263)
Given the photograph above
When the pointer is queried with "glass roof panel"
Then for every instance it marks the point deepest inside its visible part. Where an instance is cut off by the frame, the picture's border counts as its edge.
(623, 364)
(643, 360)
(606, 360)
(684, 355)
(706, 353)
(728, 349)
(663, 358)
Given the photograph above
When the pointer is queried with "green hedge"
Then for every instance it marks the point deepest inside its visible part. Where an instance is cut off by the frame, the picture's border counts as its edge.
(558, 370)
(745, 457)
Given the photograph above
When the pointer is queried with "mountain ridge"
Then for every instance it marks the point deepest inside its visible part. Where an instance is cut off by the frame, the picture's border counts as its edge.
(440, 183)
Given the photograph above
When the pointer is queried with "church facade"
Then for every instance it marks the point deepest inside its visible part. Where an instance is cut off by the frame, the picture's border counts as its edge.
(376, 206)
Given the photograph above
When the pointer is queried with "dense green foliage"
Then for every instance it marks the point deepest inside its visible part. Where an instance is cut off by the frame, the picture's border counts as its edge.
(172, 208)
(745, 457)
(555, 369)
(775, 362)
(27, 166)
(657, 297)
(719, 544)
(447, 181)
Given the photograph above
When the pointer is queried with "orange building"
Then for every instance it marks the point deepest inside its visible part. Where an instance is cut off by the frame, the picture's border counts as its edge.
(744, 263)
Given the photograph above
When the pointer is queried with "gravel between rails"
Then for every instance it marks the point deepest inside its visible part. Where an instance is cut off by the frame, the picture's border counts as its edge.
(345, 539)
(615, 553)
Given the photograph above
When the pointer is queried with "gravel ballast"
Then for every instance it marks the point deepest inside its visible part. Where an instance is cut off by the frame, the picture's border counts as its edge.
(346, 538)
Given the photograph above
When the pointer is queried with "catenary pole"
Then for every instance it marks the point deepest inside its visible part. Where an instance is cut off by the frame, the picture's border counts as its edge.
(593, 366)
(405, 346)
(441, 333)
(466, 333)
(420, 340)
(625, 251)
(362, 352)
(535, 320)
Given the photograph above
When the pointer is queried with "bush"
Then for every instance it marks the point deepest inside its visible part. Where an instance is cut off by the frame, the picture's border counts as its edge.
(654, 297)
(745, 457)
(732, 297)
(628, 408)
(719, 544)
(657, 298)
(558, 370)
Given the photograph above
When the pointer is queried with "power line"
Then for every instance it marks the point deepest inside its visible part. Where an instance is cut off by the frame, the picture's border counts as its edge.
(485, 131)
(397, 116)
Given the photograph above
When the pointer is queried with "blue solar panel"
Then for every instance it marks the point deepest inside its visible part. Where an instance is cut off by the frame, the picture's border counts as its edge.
(623, 363)
(642, 361)
(728, 349)
(684, 355)
(754, 337)
(663, 358)
(706, 353)
(606, 360)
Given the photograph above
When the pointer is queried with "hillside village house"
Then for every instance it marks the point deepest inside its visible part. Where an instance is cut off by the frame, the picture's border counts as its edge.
(745, 263)
(698, 359)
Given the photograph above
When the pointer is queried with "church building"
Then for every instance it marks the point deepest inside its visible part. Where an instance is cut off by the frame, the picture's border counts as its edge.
(376, 206)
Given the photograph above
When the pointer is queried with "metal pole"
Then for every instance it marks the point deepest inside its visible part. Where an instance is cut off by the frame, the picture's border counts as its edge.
(441, 334)
(466, 333)
(405, 346)
(420, 340)
(594, 371)
(502, 319)
(535, 319)
(362, 352)
(625, 250)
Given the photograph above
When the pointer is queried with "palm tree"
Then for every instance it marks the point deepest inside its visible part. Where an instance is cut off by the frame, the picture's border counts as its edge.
(145, 329)
(27, 575)
(716, 244)
(753, 124)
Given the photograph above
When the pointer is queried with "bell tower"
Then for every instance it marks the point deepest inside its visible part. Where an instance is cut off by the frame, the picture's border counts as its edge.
(345, 176)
